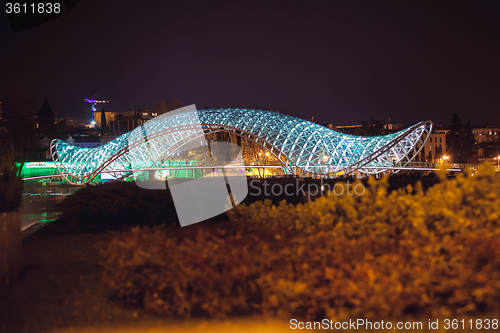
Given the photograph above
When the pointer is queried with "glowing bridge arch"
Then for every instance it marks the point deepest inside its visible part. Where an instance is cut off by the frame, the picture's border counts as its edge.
(301, 146)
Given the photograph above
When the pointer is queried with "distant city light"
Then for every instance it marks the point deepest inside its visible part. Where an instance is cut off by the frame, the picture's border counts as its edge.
(93, 110)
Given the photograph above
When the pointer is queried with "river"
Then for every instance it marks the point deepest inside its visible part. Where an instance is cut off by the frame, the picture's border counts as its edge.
(40, 201)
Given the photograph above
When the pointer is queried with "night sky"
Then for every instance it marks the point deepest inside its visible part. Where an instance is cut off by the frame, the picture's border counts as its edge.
(339, 61)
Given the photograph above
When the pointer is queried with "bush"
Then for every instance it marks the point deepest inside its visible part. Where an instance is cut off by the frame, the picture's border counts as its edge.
(117, 205)
(377, 255)
(213, 272)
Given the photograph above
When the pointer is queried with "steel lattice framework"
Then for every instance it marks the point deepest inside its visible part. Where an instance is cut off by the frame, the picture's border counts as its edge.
(301, 146)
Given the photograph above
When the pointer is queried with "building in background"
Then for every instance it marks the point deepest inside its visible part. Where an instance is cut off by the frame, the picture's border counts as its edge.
(488, 143)
(393, 127)
(367, 129)
(46, 117)
(110, 116)
(435, 148)
(71, 122)
(127, 121)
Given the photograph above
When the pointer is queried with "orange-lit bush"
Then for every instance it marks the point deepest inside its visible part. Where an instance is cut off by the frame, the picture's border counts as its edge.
(375, 255)
(213, 271)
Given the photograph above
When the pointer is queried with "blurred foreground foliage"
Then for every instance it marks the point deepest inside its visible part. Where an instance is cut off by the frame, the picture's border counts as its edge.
(11, 185)
(11, 189)
(380, 254)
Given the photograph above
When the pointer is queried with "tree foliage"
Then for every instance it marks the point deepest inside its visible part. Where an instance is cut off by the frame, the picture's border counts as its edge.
(104, 126)
(461, 140)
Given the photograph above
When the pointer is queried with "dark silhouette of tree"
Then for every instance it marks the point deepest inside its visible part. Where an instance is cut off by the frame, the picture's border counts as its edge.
(104, 126)
(422, 155)
(454, 136)
(439, 151)
(468, 142)
(461, 140)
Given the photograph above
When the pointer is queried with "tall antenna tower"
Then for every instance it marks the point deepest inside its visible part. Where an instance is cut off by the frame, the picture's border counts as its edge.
(93, 102)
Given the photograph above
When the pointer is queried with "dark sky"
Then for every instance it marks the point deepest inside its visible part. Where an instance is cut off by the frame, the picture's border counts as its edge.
(339, 61)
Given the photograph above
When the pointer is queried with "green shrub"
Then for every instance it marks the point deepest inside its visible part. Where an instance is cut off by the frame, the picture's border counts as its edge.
(377, 255)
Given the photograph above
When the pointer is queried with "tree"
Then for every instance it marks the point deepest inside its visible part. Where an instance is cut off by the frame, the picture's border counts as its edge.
(253, 154)
(468, 142)
(429, 156)
(439, 151)
(422, 155)
(461, 140)
(104, 126)
(454, 136)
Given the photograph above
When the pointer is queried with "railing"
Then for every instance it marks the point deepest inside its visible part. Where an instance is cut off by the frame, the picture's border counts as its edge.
(462, 166)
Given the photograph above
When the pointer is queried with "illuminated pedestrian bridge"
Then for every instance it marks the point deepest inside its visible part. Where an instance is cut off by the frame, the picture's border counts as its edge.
(300, 146)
